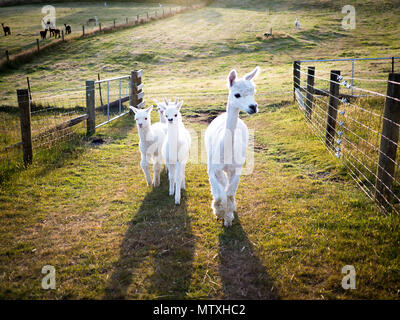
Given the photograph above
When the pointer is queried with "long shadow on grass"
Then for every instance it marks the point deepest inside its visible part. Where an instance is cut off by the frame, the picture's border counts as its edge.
(242, 273)
(156, 252)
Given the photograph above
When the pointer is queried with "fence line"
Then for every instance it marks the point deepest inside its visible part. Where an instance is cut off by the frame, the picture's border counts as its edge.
(366, 146)
(37, 48)
(44, 123)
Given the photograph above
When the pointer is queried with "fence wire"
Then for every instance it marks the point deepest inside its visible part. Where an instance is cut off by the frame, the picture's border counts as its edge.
(357, 131)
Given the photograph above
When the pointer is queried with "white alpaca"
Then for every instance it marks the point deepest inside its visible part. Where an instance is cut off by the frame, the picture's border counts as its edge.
(161, 111)
(226, 140)
(297, 24)
(152, 137)
(176, 148)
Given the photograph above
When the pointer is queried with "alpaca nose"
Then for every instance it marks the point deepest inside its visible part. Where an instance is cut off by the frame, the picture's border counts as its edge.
(170, 120)
(253, 108)
(140, 125)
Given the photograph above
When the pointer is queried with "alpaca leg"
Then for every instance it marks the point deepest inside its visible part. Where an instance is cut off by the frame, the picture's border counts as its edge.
(171, 177)
(178, 181)
(231, 192)
(183, 186)
(145, 167)
(157, 171)
(219, 202)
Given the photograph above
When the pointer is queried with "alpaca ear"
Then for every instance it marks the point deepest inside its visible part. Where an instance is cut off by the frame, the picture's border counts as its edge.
(253, 74)
(149, 109)
(133, 109)
(179, 105)
(232, 77)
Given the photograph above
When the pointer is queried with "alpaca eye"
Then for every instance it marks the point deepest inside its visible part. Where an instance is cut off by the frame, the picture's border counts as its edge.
(176, 115)
(237, 95)
(145, 118)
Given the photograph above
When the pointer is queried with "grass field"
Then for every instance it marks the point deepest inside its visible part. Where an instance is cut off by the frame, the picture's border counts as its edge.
(86, 209)
(26, 21)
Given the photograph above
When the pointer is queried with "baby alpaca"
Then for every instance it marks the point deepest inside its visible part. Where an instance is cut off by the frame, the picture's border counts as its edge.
(226, 140)
(152, 137)
(176, 148)
(161, 111)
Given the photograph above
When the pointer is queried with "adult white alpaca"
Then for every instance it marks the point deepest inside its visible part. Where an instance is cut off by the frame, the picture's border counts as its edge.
(176, 148)
(152, 137)
(226, 140)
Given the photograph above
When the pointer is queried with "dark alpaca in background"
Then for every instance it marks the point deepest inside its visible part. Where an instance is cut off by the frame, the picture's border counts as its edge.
(43, 34)
(6, 29)
(67, 29)
(57, 33)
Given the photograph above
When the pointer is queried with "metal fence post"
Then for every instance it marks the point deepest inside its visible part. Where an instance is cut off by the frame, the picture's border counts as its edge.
(83, 30)
(332, 109)
(310, 91)
(25, 120)
(296, 78)
(90, 104)
(389, 140)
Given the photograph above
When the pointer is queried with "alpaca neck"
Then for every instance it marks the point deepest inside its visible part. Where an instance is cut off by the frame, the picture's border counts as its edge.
(144, 132)
(232, 117)
(173, 132)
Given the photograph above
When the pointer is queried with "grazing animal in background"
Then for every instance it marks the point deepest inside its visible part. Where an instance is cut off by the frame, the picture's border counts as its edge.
(152, 137)
(67, 28)
(57, 33)
(52, 32)
(176, 148)
(297, 24)
(226, 140)
(43, 34)
(6, 29)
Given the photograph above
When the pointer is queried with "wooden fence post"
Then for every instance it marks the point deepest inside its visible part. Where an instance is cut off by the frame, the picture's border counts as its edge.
(332, 109)
(392, 64)
(296, 78)
(37, 45)
(7, 56)
(83, 30)
(29, 89)
(25, 120)
(90, 107)
(310, 91)
(136, 89)
(389, 140)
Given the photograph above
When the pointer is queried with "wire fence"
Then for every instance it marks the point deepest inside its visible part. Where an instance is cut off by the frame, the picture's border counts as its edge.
(359, 125)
